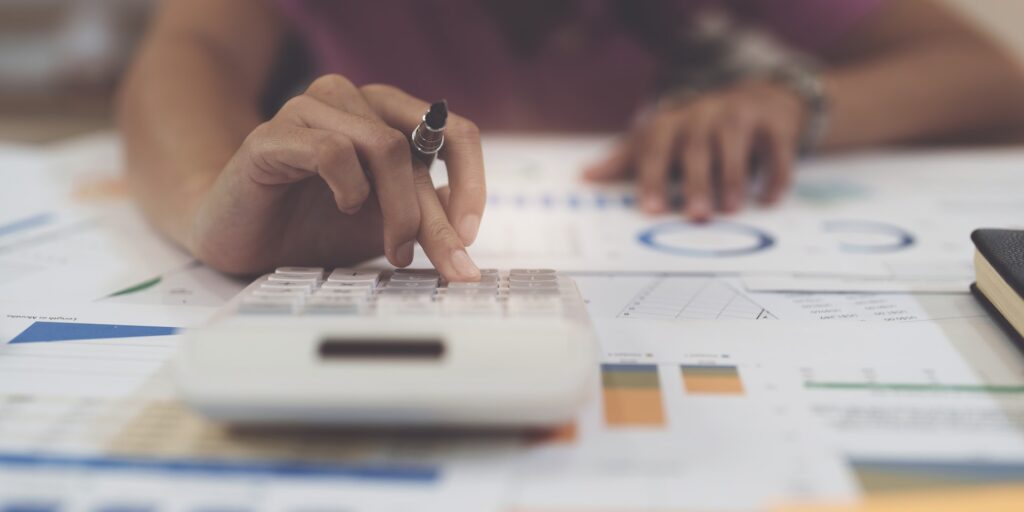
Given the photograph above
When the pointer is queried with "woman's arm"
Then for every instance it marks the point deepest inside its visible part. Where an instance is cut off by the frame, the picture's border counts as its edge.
(190, 100)
(328, 181)
(912, 72)
(915, 71)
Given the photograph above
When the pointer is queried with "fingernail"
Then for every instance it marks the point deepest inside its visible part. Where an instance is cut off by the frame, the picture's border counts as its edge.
(700, 208)
(653, 204)
(468, 228)
(464, 266)
(404, 253)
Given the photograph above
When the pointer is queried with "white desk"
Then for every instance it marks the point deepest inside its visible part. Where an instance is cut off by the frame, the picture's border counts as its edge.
(717, 394)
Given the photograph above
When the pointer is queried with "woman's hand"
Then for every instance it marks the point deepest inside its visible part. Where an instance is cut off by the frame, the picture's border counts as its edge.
(713, 141)
(331, 181)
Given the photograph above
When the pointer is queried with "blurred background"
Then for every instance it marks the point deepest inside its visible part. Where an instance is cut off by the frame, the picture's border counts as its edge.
(60, 59)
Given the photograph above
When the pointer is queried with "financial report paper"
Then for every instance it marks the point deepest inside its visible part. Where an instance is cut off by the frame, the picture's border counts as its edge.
(715, 394)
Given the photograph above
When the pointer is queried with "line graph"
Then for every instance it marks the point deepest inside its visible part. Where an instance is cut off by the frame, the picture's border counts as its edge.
(693, 298)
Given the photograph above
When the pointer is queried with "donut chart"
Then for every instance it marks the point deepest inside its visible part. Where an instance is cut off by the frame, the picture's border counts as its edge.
(869, 237)
(718, 239)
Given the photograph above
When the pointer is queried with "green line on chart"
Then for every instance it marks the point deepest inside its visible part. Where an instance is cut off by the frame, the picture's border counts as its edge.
(881, 386)
(138, 287)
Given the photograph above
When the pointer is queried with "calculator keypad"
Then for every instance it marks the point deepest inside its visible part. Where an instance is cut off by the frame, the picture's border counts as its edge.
(408, 292)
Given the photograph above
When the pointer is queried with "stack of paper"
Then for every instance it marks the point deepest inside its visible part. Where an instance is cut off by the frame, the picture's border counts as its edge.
(824, 353)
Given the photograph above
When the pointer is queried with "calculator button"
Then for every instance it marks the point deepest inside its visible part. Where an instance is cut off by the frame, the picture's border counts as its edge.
(420, 271)
(470, 298)
(280, 292)
(413, 278)
(489, 272)
(402, 304)
(533, 292)
(471, 285)
(276, 305)
(286, 285)
(395, 295)
(293, 278)
(485, 282)
(407, 292)
(470, 294)
(486, 289)
(339, 285)
(348, 275)
(426, 278)
(333, 305)
(410, 285)
(531, 271)
(306, 271)
(335, 299)
(532, 278)
(541, 285)
(339, 295)
(354, 291)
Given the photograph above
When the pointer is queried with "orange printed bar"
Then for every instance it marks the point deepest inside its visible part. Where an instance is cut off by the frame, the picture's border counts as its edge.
(632, 395)
(714, 380)
(562, 434)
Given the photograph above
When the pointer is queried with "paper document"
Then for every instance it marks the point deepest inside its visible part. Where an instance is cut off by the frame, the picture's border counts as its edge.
(732, 376)
(69, 226)
(670, 297)
(851, 216)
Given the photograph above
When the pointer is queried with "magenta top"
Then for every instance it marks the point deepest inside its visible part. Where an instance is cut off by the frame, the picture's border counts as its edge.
(587, 71)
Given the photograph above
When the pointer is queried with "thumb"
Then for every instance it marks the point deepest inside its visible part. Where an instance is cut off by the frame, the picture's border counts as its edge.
(615, 166)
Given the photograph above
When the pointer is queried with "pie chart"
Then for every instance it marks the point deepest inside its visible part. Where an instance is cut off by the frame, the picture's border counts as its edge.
(718, 239)
(869, 237)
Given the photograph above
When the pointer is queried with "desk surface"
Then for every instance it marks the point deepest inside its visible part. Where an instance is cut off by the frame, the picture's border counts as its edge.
(765, 380)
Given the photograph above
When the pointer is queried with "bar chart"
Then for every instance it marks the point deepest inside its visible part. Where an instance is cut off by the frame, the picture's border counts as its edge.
(711, 380)
(877, 476)
(632, 395)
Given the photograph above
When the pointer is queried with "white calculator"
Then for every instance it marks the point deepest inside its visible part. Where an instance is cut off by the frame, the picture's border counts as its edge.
(394, 348)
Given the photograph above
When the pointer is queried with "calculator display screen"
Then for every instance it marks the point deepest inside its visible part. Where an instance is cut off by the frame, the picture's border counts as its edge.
(340, 349)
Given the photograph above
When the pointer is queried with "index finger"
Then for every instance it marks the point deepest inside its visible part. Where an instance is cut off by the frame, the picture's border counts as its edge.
(462, 153)
(437, 237)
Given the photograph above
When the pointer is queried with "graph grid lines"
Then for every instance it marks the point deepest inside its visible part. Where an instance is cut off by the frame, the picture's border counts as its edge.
(693, 298)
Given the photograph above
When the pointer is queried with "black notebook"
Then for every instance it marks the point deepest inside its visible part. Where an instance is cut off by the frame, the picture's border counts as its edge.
(999, 277)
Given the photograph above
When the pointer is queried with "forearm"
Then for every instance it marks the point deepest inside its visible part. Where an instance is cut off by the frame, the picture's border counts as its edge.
(182, 116)
(926, 91)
